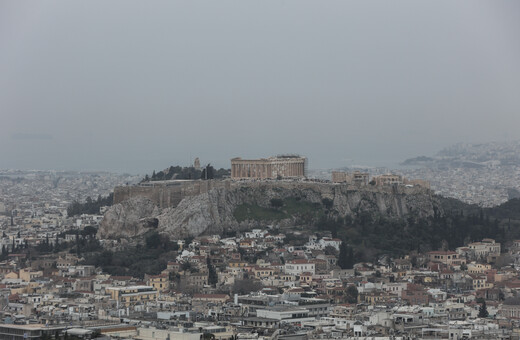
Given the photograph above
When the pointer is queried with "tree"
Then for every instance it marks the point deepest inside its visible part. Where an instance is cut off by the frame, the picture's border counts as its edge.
(56, 244)
(327, 203)
(276, 202)
(89, 230)
(153, 241)
(212, 274)
(352, 294)
(346, 256)
(208, 172)
(188, 240)
(208, 336)
(330, 250)
(78, 252)
(246, 286)
(482, 312)
(186, 266)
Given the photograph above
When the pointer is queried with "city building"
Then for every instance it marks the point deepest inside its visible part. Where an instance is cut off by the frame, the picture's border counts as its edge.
(486, 247)
(133, 294)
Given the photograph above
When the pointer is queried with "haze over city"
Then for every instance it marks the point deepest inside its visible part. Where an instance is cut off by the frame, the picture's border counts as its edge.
(132, 86)
(260, 170)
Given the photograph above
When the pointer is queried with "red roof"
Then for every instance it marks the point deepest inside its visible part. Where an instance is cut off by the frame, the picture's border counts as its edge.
(119, 278)
(13, 297)
(300, 261)
(211, 296)
(442, 252)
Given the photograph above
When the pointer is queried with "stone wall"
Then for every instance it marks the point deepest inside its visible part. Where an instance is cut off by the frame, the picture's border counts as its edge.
(167, 194)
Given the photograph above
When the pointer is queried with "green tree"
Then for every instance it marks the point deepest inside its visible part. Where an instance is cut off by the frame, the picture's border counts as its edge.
(482, 312)
(327, 203)
(246, 286)
(188, 240)
(352, 294)
(346, 256)
(57, 244)
(212, 274)
(208, 336)
(78, 251)
(208, 172)
(4, 252)
(153, 241)
(89, 230)
(276, 202)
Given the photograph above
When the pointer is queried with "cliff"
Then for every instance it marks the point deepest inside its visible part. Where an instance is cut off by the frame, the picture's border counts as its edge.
(217, 209)
(130, 218)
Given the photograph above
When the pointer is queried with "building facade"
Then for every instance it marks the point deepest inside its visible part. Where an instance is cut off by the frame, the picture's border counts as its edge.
(132, 295)
(268, 168)
(356, 177)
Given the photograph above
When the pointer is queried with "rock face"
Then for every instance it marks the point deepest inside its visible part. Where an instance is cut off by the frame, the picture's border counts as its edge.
(212, 212)
(128, 219)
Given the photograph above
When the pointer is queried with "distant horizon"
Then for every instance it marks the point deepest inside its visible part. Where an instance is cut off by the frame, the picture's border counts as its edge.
(99, 86)
(347, 163)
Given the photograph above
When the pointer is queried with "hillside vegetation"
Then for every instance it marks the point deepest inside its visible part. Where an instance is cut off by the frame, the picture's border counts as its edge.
(279, 209)
(372, 234)
(178, 172)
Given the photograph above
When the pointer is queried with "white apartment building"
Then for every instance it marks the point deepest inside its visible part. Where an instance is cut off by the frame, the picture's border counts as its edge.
(299, 266)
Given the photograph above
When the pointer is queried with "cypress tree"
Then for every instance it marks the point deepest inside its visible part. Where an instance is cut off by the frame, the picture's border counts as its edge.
(78, 252)
(482, 312)
(346, 256)
(212, 274)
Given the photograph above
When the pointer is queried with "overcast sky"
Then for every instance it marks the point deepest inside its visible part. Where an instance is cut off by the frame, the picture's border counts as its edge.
(140, 85)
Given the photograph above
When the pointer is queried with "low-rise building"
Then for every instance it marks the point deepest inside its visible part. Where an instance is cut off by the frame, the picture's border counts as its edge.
(133, 294)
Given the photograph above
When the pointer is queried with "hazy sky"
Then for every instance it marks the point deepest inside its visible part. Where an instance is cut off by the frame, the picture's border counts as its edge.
(140, 85)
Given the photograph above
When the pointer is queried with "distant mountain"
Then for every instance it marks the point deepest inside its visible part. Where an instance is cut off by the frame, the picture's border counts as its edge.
(420, 160)
(471, 156)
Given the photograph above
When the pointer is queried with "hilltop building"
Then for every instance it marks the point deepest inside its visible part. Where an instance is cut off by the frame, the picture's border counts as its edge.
(268, 168)
(355, 177)
(363, 178)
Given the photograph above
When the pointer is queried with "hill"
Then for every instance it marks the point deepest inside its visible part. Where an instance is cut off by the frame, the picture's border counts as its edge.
(471, 156)
(243, 205)
(374, 221)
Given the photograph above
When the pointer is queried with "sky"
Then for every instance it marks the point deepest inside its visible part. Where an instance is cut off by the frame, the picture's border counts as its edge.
(132, 86)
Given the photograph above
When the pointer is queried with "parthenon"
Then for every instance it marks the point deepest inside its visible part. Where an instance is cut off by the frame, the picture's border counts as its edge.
(268, 168)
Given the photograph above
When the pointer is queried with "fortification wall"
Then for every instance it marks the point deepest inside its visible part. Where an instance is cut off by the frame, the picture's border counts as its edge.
(328, 187)
(169, 194)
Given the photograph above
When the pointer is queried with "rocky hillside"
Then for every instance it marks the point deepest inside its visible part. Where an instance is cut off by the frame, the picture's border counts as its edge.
(246, 205)
(131, 218)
